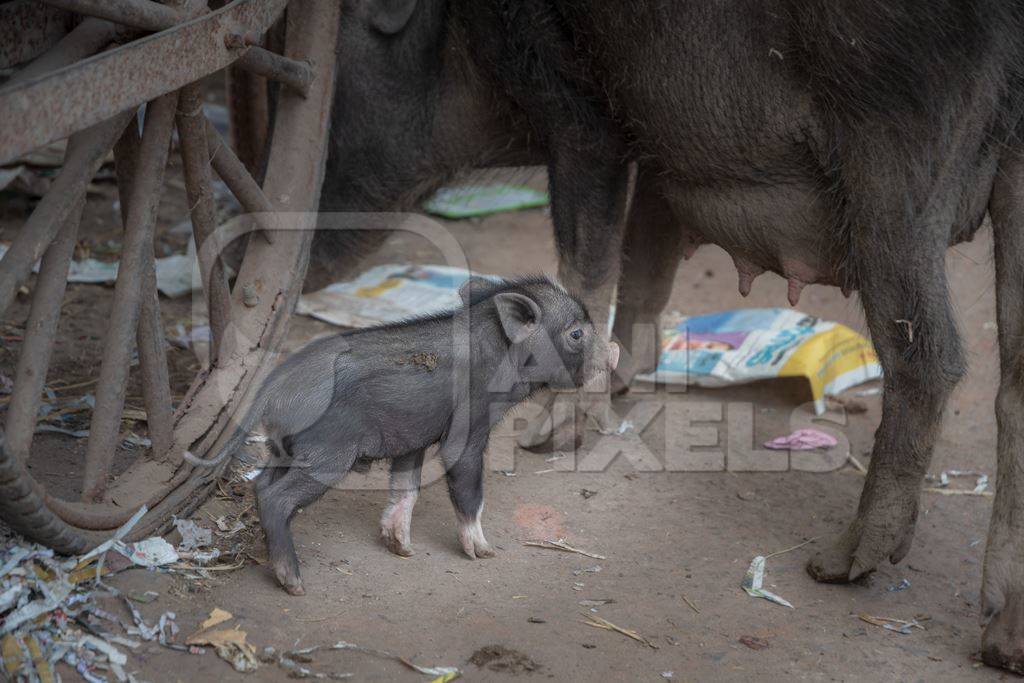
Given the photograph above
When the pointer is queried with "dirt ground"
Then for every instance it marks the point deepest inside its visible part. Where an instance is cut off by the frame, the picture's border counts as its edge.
(676, 544)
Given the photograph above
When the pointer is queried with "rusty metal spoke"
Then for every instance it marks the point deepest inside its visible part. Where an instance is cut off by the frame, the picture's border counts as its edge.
(236, 176)
(142, 14)
(125, 77)
(156, 385)
(138, 239)
(40, 335)
(85, 40)
(291, 72)
(84, 156)
(199, 187)
(27, 29)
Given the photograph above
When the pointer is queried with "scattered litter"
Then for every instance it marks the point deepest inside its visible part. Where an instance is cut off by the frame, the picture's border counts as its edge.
(387, 294)
(152, 552)
(200, 334)
(587, 570)
(754, 580)
(536, 620)
(596, 602)
(870, 391)
(736, 347)
(941, 483)
(508, 473)
(144, 598)
(467, 201)
(668, 675)
(193, 536)
(228, 530)
(231, 646)
(76, 433)
(687, 601)
(217, 616)
(754, 643)
(857, 464)
(560, 544)
(598, 622)
(626, 426)
(903, 585)
(578, 586)
(291, 659)
(894, 625)
(133, 440)
(49, 613)
(587, 493)
(802, 440)
(175, 275)
(959, 492)
(548, 471)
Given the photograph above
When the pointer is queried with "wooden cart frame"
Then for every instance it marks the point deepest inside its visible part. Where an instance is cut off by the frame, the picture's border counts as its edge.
(83, 70)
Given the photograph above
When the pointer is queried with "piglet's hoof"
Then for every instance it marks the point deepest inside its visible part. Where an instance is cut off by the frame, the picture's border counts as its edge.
(394, 544)
(478, 551)
(471, 536)
(1002, 643)
(289, 580)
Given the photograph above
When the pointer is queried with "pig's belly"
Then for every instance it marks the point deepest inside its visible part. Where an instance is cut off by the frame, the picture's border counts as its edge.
(786, 229)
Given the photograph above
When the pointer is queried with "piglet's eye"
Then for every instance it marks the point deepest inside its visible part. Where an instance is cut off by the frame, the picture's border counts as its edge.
(576, 334)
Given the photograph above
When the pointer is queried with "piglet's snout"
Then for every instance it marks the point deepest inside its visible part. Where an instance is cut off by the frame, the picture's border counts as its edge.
(613, 355)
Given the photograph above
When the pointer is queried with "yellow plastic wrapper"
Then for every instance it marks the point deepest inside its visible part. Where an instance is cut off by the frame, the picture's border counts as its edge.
(747, 345)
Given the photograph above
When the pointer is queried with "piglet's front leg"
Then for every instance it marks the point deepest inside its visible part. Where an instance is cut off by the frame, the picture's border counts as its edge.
(396, 521)
(465, 473)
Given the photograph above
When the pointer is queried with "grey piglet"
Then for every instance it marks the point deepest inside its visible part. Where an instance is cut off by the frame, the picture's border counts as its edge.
(393, 391)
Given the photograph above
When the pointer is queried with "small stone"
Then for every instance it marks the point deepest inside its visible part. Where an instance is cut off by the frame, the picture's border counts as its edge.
(754, 643)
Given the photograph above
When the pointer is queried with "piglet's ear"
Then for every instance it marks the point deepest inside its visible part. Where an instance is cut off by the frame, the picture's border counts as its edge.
(471, 286)
(391, 16)
(519, 315)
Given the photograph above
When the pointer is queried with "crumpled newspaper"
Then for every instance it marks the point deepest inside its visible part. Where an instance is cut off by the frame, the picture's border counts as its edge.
(49, 613)
(754, 580)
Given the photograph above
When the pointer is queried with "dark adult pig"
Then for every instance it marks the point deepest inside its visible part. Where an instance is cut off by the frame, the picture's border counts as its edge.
(392, 391)
(845, 143)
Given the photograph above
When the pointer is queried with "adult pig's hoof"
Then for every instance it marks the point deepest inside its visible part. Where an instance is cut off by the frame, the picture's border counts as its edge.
(830, 565)
(858, 551)
(1002, 643)
(541, 437)
(568, 436)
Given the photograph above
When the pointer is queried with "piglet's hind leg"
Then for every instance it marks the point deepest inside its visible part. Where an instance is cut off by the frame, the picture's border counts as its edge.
(313, 471)
(396, 521)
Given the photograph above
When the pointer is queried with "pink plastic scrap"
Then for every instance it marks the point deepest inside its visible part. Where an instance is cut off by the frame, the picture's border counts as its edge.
(802, 440)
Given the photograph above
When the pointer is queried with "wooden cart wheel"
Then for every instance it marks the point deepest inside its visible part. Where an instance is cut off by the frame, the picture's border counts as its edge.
(248, 321)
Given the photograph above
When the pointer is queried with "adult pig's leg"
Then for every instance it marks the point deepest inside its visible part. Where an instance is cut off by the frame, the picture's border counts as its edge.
(900, 221)
(588, 206)
(1002, 603)
(396, 521)
(653, 246)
